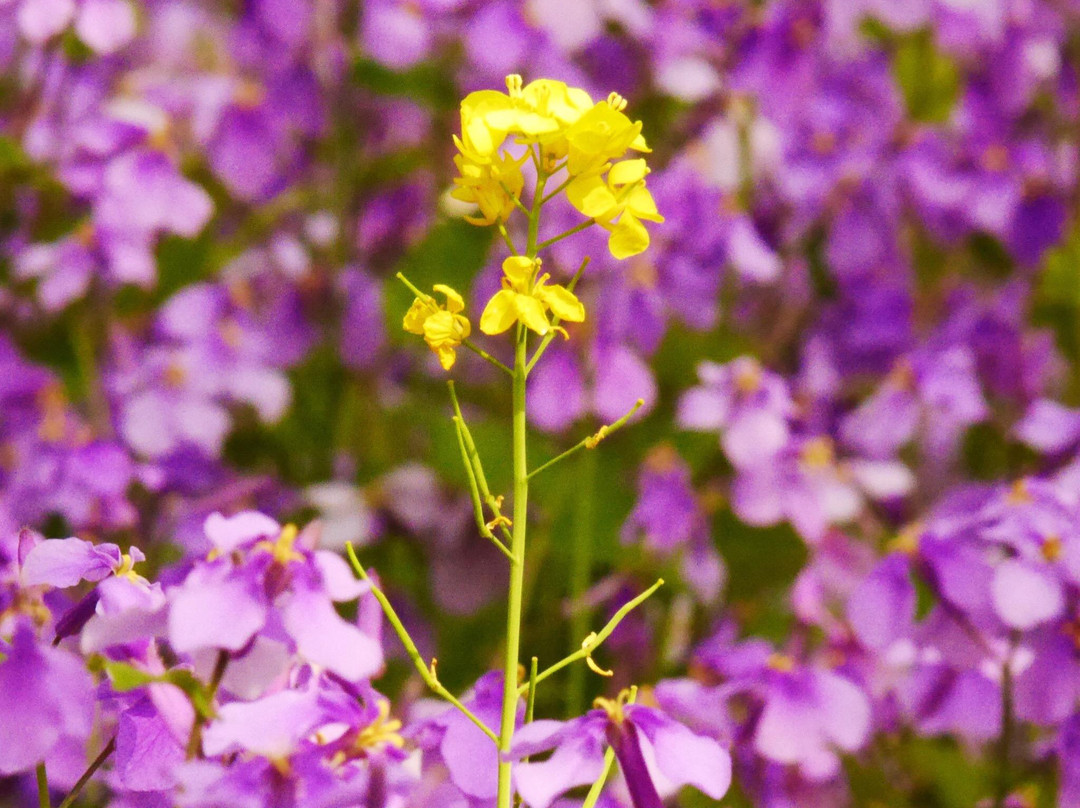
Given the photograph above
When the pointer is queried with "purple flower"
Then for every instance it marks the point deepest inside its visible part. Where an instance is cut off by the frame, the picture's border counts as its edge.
(749, 406)
(469, 756)
(654, 752)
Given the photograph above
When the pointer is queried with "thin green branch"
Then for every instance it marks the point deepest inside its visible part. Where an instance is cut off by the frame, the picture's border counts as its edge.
(478, 508)
(426, 673)
(517, 202)
(43, 786)
(561, 188)
(493, 502)
(575, 229)
(472, 346)
(506, 237)
(593, 642)
(555, 323)
(91, 770)
(592, 440)
(530, 703)
(422, 295)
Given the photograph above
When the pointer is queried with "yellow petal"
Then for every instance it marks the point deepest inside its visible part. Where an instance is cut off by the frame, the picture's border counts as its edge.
(519, 271)
(562, 302)
(442, 327)
(641, 203)
(638, 144)
(454, 301)
(532, 313)
(591, 196)
(415, 316)
(500, 312)
(629, 237)
(446, 356)
(627, 171)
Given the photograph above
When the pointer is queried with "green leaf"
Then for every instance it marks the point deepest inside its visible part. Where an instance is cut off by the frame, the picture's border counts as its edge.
(125, 677)
(929, 80)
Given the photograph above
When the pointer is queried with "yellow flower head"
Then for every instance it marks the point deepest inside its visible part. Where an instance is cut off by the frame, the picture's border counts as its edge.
(603, 133)
(443, 328)
(528, 299)
(618, 204)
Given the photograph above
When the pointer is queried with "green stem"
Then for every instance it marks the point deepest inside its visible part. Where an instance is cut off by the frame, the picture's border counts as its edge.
(194, 747)
(580, 575)
(43, 786)
(91, 770)
(426, 673)
(472, 346)
(530, 703)
(598, 786)
(592, 440)
(1008, 720)
(412, 287)
(478, 508)
(517, 572)
(505, 794)
(493, 502)
(506, 237)
(555, 239)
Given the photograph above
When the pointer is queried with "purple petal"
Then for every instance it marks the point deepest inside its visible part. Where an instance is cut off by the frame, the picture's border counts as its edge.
(272, 726)
(621, 379)
(146, 751)
(1026, 595)
(683, 757)
(105, 25)
(228, 533)
(198, 608)
(1049, 427)
(66, 562)
(325, 638)
(577, 762)
(40, 19)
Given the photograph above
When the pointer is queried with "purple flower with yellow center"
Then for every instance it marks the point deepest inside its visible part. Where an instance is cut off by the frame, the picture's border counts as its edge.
(808, 486)
(750, 406)
(655, 754)
(269, 578)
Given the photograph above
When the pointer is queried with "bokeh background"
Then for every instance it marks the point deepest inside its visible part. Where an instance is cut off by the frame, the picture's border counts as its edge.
(871, 232)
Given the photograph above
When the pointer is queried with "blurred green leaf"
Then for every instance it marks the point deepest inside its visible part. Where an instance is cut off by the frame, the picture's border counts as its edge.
(928, 79)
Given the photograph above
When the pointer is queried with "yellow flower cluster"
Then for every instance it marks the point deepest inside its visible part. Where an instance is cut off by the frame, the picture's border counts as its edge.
(568, 131)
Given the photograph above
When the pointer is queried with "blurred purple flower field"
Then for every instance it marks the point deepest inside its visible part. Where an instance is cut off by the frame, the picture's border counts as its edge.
(821, 367)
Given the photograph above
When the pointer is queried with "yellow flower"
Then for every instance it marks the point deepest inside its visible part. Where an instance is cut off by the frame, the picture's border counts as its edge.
(537, 112)
(493, 186)
(601, 134)
(442, 327)
(523, 299)
(618, 205)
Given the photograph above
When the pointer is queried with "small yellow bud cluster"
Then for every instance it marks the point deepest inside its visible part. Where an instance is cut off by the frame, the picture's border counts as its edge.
(569, 131)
